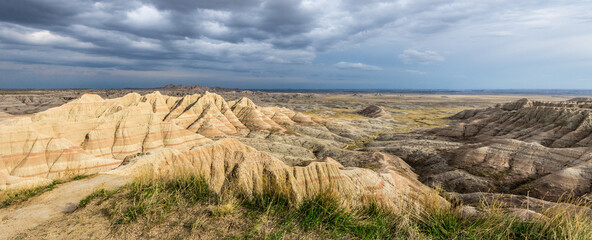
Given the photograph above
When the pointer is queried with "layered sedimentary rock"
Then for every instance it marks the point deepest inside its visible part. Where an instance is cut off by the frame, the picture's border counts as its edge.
(253, 118)
(530, 167)
(374, 111)
(560, 124)
(580, 99)
(206, 114)
(92, 134)
(161, 134)
(540, 149)
(29, 103)
(87, 135)
(4, 116)
(230, 165)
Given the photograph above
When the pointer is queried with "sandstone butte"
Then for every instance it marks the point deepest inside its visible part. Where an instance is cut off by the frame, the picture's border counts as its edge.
(157, 134)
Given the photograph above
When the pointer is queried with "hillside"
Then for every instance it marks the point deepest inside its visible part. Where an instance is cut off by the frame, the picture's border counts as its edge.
(535, 148)
(135, 165)
(159, 135)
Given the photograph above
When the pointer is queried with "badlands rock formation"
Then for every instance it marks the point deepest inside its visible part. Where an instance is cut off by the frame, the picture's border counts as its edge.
(161, 134)
(229, 164)
(374, 111)
(557, 125)
(540, 149)
(580, 99)
(30, 103)
(27, 101)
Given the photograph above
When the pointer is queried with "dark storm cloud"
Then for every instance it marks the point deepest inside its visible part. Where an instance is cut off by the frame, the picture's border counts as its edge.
(39, 11)
(190, 5)
(162, 30)
(222, 34)
(285, 18)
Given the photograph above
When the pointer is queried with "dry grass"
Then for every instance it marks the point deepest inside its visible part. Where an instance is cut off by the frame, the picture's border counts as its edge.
(337, 113)
(496, 221)
(359, 144)
(410, 119)
(16, 196)
(20, 195)
(182, 205)
(225, 205)
(424, 117)
(186, 208)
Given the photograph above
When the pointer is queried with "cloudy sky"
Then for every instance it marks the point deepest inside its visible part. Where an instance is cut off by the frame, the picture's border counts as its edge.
(436, 44)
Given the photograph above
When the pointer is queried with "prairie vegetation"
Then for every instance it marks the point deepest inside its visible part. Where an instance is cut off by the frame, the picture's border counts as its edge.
(145, 207)
(16, 196)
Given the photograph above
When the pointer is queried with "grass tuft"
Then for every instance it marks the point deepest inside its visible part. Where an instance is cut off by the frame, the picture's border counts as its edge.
(501, 224)
(158, 197)
(274, 214)
(79, 177)
(101, 194)
(19, 196)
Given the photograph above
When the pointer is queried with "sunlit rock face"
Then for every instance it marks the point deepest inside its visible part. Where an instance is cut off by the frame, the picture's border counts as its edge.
(160, 134)
(230, 165)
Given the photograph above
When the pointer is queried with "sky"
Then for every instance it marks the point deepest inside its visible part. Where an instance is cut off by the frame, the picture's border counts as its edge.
(308, 44)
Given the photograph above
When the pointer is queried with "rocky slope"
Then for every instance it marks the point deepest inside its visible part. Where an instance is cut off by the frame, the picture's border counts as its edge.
(521, 153)
(161, 134)
(552, 124)
(540, 149)
(28, 101)
(374, 111)
(230, 165)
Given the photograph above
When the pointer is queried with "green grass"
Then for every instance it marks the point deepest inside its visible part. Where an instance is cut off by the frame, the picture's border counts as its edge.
(19, 196)
(358, 144)
(79, 177)
(324, 215)
(324, 212)
(152, 198)
(11, 197)
(100, 194)
(157, 198)
(499, 225)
